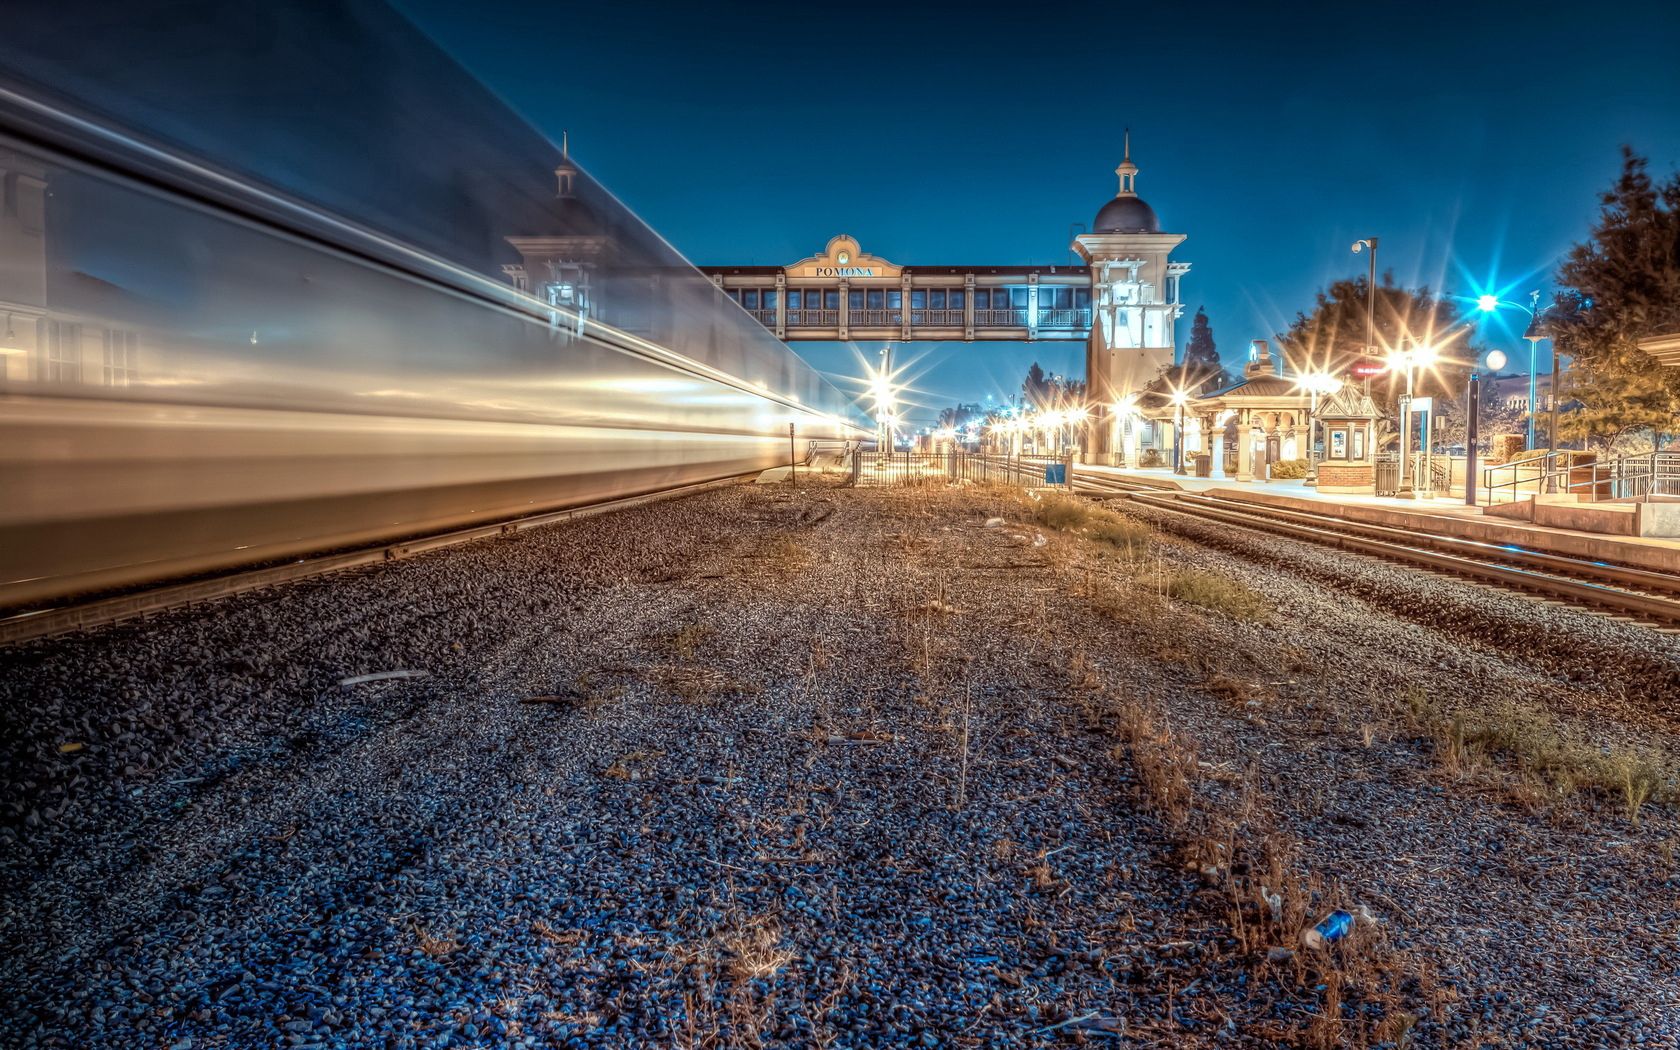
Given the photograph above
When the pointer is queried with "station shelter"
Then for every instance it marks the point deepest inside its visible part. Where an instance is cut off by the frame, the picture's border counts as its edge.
(1263, 418)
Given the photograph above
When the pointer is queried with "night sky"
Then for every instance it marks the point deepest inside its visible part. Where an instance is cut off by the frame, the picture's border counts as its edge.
(1472, 141)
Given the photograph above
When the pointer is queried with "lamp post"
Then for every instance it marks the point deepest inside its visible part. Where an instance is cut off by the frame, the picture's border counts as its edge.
(1409, 360)
(881, 386)
(1369, 244)
(1535, 332)
(1472, 415)
(1179, 397)
(1124, 409)
(1316, 383)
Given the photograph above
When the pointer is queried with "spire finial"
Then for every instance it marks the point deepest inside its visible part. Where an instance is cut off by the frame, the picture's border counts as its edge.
(1127, 171)
(563, 174)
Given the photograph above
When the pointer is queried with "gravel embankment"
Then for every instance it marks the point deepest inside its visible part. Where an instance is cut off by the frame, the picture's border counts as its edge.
(741, 814)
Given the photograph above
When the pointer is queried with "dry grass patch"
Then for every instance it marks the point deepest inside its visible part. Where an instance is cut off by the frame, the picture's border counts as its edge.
(1095, 522)
(1554, 764)
(1215, 593)
(696, 684)
(782, 556)
(754, 951)
(687, 640)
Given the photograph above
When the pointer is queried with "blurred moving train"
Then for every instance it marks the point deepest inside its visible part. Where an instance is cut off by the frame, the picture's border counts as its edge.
(296, 282)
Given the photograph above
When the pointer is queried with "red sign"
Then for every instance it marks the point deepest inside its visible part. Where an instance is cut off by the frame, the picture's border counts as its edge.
(1366, 368)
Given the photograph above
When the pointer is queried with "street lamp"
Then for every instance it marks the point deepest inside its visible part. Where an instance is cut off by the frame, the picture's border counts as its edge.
(1422, 355)
(1535, 332)
(1473, 403)
(1124, 410)
(1178, 399)
(1369, 243)
(1316, 383)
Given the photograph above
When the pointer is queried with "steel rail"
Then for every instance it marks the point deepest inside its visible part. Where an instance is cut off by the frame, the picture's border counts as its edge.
(1630, 603)
(75, 616)
(1606, 572)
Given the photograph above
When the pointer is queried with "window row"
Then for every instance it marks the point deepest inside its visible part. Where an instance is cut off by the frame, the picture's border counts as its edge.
(1050, 297)
(61, 354)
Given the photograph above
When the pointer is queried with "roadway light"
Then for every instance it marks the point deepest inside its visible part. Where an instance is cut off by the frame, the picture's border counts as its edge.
(1535, 332)
(1495, 360)
(1370, 300)
(1178, 398)
(1315, 383)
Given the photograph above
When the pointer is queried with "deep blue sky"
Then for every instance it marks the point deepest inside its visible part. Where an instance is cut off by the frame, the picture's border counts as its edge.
(1472, 140)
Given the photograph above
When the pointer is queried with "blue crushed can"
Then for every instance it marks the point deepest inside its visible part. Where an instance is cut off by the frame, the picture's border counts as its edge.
(1330, 929)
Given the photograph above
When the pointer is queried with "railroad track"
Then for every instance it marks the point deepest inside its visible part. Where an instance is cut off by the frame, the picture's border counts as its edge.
(1621, 590)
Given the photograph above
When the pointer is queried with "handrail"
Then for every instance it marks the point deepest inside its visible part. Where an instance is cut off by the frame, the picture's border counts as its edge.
(1635, 477)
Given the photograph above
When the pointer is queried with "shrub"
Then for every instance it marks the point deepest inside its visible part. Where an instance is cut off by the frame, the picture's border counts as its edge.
(1217, 593)
(1152, 457)
(1289, 469)
(1505, 446)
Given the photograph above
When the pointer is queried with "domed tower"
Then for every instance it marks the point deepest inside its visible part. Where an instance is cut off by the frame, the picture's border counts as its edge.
(1135, 302)
(558, 265)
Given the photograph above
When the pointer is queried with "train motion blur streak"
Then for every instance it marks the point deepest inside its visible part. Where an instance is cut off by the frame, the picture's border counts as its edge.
(210, 364)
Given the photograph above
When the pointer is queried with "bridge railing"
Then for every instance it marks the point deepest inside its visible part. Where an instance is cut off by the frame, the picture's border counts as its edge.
(1070, 318)
(810, 318)
(875, 318)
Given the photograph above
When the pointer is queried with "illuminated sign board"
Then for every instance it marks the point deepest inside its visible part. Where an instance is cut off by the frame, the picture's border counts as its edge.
(1367, 368)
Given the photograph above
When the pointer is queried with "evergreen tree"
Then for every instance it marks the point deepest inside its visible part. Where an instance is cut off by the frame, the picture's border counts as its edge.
(1622, 285)
(1201, 370)
(1035, 390)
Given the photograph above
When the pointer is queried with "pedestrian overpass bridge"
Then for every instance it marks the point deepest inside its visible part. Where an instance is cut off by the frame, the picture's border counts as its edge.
(843, 293)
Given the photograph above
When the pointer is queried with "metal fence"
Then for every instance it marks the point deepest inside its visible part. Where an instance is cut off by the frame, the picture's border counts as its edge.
(870, 468)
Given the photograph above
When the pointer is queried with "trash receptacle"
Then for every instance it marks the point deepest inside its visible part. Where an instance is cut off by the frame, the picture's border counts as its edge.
(1204, 465)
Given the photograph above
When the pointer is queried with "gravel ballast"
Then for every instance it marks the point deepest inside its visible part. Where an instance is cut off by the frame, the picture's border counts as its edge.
(826, 767)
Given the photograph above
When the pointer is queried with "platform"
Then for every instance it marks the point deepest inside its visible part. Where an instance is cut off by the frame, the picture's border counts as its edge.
(1441, 515)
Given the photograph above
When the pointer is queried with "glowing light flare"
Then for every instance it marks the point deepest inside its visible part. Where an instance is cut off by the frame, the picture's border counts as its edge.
(1487, 303)
(1319, 383)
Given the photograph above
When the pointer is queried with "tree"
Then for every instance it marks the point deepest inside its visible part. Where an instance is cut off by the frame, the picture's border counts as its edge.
(1617, 399)
(1332, 337)
(1621, 285)
(960, 415)
(1201, 370)
(1035, 389)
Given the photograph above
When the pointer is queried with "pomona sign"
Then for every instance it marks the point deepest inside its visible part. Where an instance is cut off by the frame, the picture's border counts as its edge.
(842, 271)
(843, 258)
